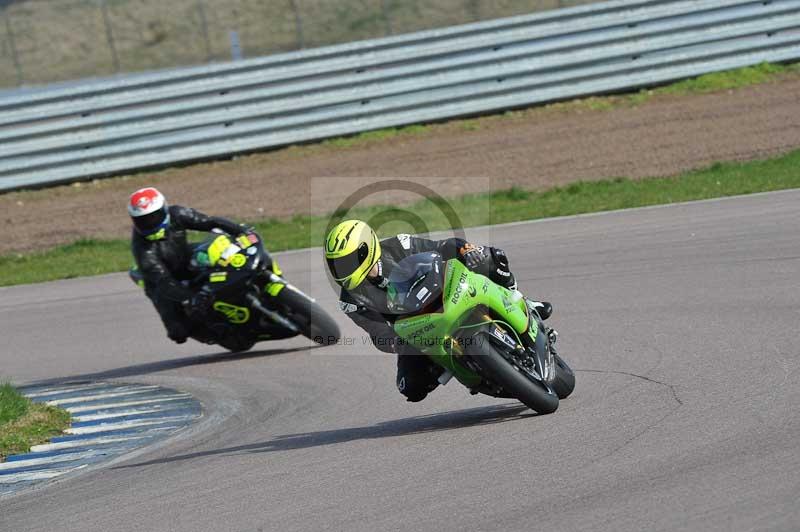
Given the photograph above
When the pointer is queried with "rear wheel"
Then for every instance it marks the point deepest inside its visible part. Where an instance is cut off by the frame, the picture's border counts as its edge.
(513, 380)
(312, 320)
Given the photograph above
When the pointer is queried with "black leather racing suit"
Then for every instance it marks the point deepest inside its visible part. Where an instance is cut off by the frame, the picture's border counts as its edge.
(164, 264)
(367, 305)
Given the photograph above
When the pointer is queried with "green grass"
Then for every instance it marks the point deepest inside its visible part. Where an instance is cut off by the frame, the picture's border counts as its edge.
(82, 258)
(24, 423)
(377, 135)
(89, 257)
(12, 404)
(713, 82)
(730, 79)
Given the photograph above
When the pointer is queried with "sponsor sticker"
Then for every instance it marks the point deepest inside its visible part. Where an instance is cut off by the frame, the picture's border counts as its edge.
(347, 307)
(405, 240)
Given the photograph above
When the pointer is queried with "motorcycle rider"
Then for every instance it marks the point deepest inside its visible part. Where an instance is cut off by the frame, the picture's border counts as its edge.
(361, 265)
(162, 254)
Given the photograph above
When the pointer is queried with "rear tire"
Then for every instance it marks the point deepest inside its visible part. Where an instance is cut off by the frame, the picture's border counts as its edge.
(564, 381)
(312, 320)
(500, 371)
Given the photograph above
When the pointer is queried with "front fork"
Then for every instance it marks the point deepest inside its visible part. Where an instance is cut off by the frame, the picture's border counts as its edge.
(275, 284)
(273, 287)
(541, 351)
(552, 337)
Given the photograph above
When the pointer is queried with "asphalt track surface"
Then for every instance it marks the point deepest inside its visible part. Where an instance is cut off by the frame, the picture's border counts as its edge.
(681, 322)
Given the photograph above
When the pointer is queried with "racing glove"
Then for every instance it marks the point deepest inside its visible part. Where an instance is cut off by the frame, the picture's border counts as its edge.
(502, 273)
(247, 236)
(473, 257)
(246, 229)
(488, 261)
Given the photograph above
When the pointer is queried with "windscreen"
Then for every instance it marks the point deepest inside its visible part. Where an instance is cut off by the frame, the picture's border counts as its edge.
(415, 283)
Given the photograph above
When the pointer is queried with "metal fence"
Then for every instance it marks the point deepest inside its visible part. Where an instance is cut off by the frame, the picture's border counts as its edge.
(106, 127)
(43, 41)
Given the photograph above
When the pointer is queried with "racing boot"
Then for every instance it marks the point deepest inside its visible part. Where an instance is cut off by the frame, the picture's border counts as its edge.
(177, 334)
(227, 337)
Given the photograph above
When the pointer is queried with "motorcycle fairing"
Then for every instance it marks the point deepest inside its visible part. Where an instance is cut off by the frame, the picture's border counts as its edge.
(440, 334)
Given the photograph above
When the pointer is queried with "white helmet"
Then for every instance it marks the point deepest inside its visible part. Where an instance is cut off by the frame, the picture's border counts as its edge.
(149, 212)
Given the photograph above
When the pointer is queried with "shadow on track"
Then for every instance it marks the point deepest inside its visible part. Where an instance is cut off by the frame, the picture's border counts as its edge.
(164, 365)
(454, 419)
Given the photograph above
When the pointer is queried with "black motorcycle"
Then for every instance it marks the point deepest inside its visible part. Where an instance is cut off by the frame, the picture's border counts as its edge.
(252, 302)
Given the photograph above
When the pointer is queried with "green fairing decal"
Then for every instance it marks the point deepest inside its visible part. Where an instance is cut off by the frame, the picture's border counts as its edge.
(412, 327)
(274, 289)
(533, 330)
(233, 313)
(218, 277)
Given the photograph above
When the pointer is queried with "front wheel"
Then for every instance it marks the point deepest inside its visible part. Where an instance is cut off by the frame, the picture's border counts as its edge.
(312, 320)
(564, 380)
(514, 381)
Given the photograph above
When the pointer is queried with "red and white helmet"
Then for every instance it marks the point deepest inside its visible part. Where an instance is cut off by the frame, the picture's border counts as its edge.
(149, 212)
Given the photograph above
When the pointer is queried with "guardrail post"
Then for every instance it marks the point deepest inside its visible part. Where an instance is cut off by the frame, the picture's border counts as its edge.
(4, 5)
(201, 8)
(109, 36)
(386, 19)
(236, 45)
(474, 9)
(298, 23)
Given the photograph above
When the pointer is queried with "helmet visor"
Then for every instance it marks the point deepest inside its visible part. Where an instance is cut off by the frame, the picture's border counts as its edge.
(343, 267)
(150, 223)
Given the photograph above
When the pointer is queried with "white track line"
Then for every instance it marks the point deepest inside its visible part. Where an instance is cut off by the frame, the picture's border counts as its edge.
(109, 395)
(115, 404)
(37, 475)
(63, 389)
(88, 442)
(134, 412)
(66, 457)
(125, 425)
(108, 406)
(154, 416)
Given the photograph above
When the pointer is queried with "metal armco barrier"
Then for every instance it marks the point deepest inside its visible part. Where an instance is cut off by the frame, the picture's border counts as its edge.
(107, 127)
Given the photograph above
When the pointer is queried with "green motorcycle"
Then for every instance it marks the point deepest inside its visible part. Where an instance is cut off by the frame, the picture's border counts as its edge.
(483, 334)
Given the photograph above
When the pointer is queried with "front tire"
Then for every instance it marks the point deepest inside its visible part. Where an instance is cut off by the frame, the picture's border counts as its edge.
(500, 371)
(564, 381)
(312, 320)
